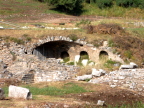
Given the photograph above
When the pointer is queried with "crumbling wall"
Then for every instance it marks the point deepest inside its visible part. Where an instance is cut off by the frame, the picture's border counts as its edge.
(21, 59)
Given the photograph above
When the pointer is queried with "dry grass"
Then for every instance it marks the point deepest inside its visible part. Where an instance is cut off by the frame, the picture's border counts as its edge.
(111, 29)
(131, 48)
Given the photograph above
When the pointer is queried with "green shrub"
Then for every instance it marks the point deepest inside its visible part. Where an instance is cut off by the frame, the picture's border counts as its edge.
(18, 41)
(130, 3)
(67, 5)
(110, 64)
(90, 1)
(66, 59)
(73, 37)
(141, 4)
(111, 43)
(104, 3)
(70, 63)
(26, 37)
(83, 22)
(128, 54)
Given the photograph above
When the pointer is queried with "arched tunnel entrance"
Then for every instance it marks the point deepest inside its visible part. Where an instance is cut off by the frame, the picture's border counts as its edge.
(54, 49)
(64, 54)
(103, 55)
(84, 55)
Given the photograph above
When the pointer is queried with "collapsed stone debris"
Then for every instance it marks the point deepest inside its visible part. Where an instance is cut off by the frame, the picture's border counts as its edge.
(125, 78)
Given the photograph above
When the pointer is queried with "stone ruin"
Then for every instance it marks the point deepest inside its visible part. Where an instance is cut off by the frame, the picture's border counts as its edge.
(39, 61)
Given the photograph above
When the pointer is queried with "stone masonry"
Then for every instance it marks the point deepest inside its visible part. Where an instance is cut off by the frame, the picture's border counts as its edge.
(22, 64)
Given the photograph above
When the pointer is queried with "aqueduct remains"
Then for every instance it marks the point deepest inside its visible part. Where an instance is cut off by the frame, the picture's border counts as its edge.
(39, 61)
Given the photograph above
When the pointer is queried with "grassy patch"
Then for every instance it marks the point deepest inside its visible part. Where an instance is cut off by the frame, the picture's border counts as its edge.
(55, 91)
(138, 32)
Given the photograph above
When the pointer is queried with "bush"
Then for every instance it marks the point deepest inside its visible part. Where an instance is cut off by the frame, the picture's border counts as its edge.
(141, 4)
(124, 3)
(83, 22)
(130, 3)
(104, 3)
(66, 5)
(73, 37)
(90, 1)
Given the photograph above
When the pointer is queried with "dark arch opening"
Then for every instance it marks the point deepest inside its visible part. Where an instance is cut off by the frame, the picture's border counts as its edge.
(84, 55)
(103, 55)
(53, 49)
(64, 54)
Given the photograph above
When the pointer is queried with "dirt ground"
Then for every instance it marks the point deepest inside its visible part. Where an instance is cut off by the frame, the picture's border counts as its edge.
(111, 97)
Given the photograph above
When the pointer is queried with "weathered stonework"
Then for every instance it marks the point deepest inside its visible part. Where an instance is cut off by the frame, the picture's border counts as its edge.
(39, 61)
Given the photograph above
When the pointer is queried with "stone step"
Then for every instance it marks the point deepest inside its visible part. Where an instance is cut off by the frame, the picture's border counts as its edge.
(28, 78)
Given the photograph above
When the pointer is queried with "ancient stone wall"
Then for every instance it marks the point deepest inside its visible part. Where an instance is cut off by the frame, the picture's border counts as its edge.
(23, 62)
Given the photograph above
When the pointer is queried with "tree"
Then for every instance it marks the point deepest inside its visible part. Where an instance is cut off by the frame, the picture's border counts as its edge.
(104, 3)
(90, 1)
(67, 5)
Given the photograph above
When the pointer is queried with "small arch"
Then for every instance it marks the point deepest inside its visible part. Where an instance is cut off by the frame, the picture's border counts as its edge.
(84, 55)
(64, 54)
(103, 55)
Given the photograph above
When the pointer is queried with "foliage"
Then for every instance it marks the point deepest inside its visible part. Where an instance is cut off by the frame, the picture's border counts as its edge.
(110, 64)
(141, 5)
(90, 1)
(85, 56)
(18, 41)
(111, 43)
(70, 63)
(67, 5)
(73, 37)
(130, 3)
(104, 3)
(83, 22)
(66, 59)
(26, 37)
(128, 54)
(124, 3)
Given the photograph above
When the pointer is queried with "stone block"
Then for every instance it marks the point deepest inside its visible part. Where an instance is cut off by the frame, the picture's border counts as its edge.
(77, 57)
(126, 67)
(84, 77)
(91, 64)
(100, 103)
(97, 73)
(84, 62)
(134, 65)
(19, 92)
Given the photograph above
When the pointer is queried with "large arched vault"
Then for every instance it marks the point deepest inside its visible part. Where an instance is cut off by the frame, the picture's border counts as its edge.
(54, 49)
